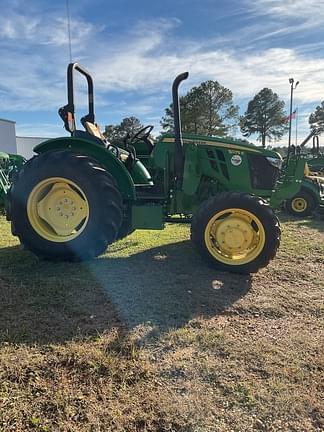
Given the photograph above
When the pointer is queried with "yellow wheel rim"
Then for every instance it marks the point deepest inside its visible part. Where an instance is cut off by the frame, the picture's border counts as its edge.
(234, 236)
(299, 204)
(58, 209)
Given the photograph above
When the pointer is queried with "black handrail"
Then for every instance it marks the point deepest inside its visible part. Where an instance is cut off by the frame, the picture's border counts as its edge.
(67, 112)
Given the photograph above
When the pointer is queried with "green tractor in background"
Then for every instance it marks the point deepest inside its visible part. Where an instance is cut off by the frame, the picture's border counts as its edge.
(80, 193)
(315, 161)
(310, 197)
(10, 164)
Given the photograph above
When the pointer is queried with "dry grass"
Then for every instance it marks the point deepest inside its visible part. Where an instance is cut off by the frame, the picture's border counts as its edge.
(147, 338)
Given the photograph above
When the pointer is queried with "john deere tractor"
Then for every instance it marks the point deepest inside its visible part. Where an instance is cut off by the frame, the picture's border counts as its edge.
(80, 193)
(315, 160)
(310, 197)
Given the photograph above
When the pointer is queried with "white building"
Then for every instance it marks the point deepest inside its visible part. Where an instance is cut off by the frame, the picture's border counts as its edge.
(10, 143)
(25, 145)
(8, 136)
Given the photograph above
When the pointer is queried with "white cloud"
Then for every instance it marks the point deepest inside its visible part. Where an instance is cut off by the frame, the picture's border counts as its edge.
(297, 15)
(144, 62)
(134, 67)
(47, 30)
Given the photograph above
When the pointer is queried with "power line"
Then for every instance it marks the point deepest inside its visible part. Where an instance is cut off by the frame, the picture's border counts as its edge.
(69, 28)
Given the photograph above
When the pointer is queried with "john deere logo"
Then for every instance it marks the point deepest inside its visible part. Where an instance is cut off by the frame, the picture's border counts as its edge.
(236, 160)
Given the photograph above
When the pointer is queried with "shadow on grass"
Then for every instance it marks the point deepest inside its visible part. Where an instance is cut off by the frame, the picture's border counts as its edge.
(314, 222)
(44, 302)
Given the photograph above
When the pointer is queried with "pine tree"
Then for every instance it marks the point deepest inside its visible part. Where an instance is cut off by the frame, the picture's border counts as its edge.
(207, 110)
(316, 119)
(117, 133)
(265, 116)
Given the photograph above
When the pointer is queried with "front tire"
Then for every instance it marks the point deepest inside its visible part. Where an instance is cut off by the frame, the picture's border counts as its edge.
(236, 232)
(301, 205)
(65, 206)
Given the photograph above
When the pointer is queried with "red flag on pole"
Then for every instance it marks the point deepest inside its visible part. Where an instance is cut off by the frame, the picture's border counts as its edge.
(292, 116)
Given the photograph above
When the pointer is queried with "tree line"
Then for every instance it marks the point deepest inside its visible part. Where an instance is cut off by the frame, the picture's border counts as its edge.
(209, 109)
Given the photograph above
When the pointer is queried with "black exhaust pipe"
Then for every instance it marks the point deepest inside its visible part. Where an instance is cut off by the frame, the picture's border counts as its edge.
(178, 155)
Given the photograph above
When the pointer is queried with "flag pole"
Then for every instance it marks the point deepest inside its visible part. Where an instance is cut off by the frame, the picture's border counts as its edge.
(292, 88)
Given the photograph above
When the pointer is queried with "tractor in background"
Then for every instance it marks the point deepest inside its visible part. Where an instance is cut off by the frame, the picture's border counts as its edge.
(80, 193)
(10, 164)
(310, 197)
(315, 161)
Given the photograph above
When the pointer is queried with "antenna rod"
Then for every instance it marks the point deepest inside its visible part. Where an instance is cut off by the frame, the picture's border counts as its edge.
(69, 28)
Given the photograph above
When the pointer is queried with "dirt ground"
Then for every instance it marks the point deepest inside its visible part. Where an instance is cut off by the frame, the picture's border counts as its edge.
(148, 338)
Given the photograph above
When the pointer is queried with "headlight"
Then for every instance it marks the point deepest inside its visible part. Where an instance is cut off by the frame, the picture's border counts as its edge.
(276, 162)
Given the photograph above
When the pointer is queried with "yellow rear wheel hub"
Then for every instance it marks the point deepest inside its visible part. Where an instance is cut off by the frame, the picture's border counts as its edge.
(299, 204)
(234, 236)
(58, 209)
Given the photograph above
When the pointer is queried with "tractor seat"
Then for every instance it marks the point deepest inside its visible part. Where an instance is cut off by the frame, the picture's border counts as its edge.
(93, 129)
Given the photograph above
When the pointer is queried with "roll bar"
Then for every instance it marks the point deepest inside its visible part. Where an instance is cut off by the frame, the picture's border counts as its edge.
(178, 156)
(67, 111)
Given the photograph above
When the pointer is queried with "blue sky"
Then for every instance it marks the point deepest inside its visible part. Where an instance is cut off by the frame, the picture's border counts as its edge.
(134, 49)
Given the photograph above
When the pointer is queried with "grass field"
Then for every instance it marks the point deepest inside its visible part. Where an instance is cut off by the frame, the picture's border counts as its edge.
(148, 338)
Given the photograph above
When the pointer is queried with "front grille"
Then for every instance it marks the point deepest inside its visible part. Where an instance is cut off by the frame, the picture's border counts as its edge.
(263, 174)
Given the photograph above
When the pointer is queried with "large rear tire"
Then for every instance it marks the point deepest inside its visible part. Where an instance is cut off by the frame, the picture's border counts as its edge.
(236, 232)
(65, 206)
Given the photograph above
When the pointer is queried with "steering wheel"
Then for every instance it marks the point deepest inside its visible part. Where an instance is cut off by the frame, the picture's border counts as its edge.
(141, 134)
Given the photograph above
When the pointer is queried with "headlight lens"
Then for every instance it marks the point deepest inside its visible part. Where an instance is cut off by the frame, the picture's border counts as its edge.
(276, 162)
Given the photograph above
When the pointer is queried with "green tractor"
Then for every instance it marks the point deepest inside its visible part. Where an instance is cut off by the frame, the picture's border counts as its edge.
(80, 193)
(310, 197)
(4, 180)
(315, 161)
(10, 164)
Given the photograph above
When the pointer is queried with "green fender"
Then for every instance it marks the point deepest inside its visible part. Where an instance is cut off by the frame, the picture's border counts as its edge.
(312, 188)
(97, 152)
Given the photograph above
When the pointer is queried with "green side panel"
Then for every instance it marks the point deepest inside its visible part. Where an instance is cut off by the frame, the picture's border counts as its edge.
(99, 153)
(217, 163)
(191, 172)
(147, 217)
